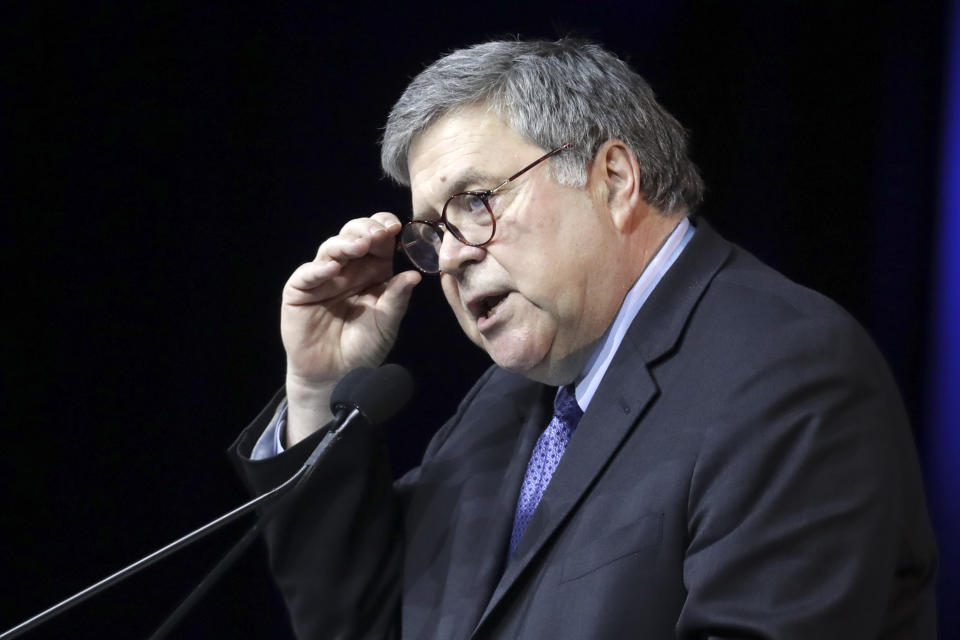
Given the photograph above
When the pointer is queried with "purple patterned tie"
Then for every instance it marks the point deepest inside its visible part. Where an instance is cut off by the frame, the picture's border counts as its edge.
(544, 460)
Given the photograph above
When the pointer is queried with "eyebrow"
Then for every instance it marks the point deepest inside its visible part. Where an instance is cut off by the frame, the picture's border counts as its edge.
(467, 179)
(471, 177)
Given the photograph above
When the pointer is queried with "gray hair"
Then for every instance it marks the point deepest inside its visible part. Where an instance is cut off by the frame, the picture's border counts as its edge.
(552, 93)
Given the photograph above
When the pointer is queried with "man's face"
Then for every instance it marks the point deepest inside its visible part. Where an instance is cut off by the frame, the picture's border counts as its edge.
(538, 296)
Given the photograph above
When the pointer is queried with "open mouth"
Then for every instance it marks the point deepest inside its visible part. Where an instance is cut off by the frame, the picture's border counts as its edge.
(490, 303)
(487, 305)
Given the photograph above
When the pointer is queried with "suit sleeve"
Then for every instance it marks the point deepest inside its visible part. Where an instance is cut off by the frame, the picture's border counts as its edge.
(335, 550)
(804, 496)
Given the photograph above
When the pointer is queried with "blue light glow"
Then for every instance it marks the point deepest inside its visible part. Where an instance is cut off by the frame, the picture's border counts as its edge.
(943, 452)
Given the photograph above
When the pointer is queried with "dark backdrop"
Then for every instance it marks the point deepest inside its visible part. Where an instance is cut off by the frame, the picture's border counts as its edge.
(170, 163)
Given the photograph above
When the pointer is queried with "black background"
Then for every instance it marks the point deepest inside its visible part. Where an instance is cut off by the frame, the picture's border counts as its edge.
(169, 164)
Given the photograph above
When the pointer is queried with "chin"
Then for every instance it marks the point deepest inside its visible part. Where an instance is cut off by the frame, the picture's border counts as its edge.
(522, 361)
(539, 368)
(517, 365)
(542, 366)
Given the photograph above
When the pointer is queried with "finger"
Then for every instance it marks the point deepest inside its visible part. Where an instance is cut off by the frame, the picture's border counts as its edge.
(389, 221)
(379, 230)
(343, 248)
(361, 227)
(393, 302)
(321, 281)
(380, 223)
(313, 274)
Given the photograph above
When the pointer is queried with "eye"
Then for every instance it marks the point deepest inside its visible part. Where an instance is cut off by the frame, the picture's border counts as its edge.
(468, 205)
(473, 203)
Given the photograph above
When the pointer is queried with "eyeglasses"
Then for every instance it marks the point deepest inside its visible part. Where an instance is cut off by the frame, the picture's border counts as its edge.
(467, 215)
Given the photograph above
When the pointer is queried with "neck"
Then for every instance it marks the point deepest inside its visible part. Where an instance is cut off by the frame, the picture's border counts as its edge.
(639, 248)
(647, 238)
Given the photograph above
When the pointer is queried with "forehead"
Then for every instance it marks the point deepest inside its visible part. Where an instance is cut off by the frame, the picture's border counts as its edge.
(469, 148)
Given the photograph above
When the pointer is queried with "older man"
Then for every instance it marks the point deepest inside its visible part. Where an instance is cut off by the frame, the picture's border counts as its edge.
(726, 454)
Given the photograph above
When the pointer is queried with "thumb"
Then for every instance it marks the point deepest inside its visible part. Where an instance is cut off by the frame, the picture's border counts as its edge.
(393, 302)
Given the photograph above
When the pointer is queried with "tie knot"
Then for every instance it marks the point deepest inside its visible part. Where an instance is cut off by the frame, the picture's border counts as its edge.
(565, 407)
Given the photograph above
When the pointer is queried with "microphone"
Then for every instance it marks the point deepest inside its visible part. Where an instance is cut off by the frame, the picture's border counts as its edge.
(376, 393)
(368, 395)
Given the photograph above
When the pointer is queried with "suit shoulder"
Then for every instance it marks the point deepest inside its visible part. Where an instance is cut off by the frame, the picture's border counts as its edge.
(750, 300)
(756, 333)
(754, 284)
(497, 387)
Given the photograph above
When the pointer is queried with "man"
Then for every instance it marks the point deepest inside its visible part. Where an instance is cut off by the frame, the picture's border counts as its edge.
(727, 455)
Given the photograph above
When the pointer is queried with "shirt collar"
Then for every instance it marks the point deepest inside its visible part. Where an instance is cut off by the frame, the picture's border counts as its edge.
(588, 381)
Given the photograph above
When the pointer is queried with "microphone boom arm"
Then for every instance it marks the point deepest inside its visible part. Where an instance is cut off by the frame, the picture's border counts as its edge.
(290, 484)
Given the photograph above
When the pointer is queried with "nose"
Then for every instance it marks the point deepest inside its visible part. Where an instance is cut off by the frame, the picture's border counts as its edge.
(455, 255)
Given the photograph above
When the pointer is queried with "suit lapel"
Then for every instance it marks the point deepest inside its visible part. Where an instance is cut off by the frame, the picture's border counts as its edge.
(490, 544)
(603, 427)
(622, 397)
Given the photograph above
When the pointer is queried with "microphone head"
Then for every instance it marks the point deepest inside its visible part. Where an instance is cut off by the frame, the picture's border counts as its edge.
(377, 393)
(342, 395)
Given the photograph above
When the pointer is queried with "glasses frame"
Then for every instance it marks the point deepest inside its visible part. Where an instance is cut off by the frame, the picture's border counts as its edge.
(441, 225)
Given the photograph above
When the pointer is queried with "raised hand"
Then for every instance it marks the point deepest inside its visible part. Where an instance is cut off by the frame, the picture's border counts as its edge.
(339, 312)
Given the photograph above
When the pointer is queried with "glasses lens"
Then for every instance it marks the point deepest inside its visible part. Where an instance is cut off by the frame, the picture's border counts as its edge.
(421, 243)
(468, 215)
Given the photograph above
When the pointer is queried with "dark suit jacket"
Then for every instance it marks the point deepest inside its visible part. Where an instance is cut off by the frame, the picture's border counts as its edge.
(744, 470)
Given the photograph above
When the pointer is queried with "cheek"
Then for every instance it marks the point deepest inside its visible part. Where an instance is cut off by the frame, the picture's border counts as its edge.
(452, 293)
(550, 283)
(526, 341)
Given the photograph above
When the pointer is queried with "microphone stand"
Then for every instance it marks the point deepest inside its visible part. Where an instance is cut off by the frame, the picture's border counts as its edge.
(231, 556)
(291, 484)
(208, 581)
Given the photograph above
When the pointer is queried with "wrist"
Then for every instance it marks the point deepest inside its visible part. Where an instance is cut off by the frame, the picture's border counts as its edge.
(308, 408)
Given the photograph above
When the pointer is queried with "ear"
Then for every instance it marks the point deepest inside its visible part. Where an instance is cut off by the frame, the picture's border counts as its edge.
(615, 174)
